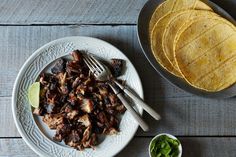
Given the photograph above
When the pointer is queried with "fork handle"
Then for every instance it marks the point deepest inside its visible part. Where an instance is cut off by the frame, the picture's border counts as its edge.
(136, 116)
(139, 101)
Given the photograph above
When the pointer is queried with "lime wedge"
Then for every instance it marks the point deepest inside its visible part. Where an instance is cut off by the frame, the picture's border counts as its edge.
(33, 94)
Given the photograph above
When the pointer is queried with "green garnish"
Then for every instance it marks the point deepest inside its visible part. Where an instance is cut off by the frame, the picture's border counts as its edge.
(164, 146)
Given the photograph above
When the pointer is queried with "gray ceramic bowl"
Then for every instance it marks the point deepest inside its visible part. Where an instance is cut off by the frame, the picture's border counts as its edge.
(143, 23)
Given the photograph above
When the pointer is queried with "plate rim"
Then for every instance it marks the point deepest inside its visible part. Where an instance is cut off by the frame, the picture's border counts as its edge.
(34, 55)
(177, 82)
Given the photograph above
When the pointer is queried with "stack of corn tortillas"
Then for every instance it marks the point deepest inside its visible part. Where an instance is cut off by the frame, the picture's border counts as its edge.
(192, 42)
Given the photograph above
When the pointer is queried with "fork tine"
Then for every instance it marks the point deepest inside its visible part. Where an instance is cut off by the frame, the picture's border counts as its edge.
(89, 65)
(99, 67)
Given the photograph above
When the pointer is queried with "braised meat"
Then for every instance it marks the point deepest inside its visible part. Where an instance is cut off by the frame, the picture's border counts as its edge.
(76, 105)
(117, 67)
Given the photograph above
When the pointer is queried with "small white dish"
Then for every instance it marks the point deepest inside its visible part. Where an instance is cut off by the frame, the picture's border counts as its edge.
(169, 135)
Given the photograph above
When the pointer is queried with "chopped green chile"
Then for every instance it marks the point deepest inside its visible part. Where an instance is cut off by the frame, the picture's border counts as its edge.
(164, 146)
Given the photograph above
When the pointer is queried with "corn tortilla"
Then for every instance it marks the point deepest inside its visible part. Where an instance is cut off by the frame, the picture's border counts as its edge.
(205, 53)
(176, 22)
(159, 22)
(158, 33)
(156, 43)
(170, 6)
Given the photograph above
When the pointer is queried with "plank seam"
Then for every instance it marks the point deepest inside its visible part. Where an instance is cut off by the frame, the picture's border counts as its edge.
(197, 136)
(72, 24)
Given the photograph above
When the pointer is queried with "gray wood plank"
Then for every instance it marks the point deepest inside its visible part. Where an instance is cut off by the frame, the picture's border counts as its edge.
(183, 113)
(19, 42)
(192, 147)
(8, 128)
(25, 12)
(15, 148)
(193, 116)
(70, 11)
(138, 147)
(180, 116)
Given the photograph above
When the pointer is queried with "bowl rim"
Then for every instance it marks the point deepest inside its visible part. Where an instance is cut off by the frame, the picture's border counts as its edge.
(143, 39)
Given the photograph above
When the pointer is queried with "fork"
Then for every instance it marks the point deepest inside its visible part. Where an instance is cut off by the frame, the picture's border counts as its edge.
(102, 73)
(139, 101)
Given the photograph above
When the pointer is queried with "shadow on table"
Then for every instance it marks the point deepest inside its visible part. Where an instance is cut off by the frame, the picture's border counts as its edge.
(155, 94)
(191, 148)
(148, 75)
(138, 147)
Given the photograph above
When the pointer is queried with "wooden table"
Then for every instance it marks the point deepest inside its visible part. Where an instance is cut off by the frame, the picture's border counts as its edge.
(205, 127)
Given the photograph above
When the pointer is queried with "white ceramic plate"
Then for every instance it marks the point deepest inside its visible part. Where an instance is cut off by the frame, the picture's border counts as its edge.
(35, 133)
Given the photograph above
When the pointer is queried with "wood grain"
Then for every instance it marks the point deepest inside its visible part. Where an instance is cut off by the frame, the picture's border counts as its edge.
(19, 42)
(182, 113)
(183, 117)
(8, 128)
(138, 147)
(15, 148)
(70, 11)
(28, 12)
